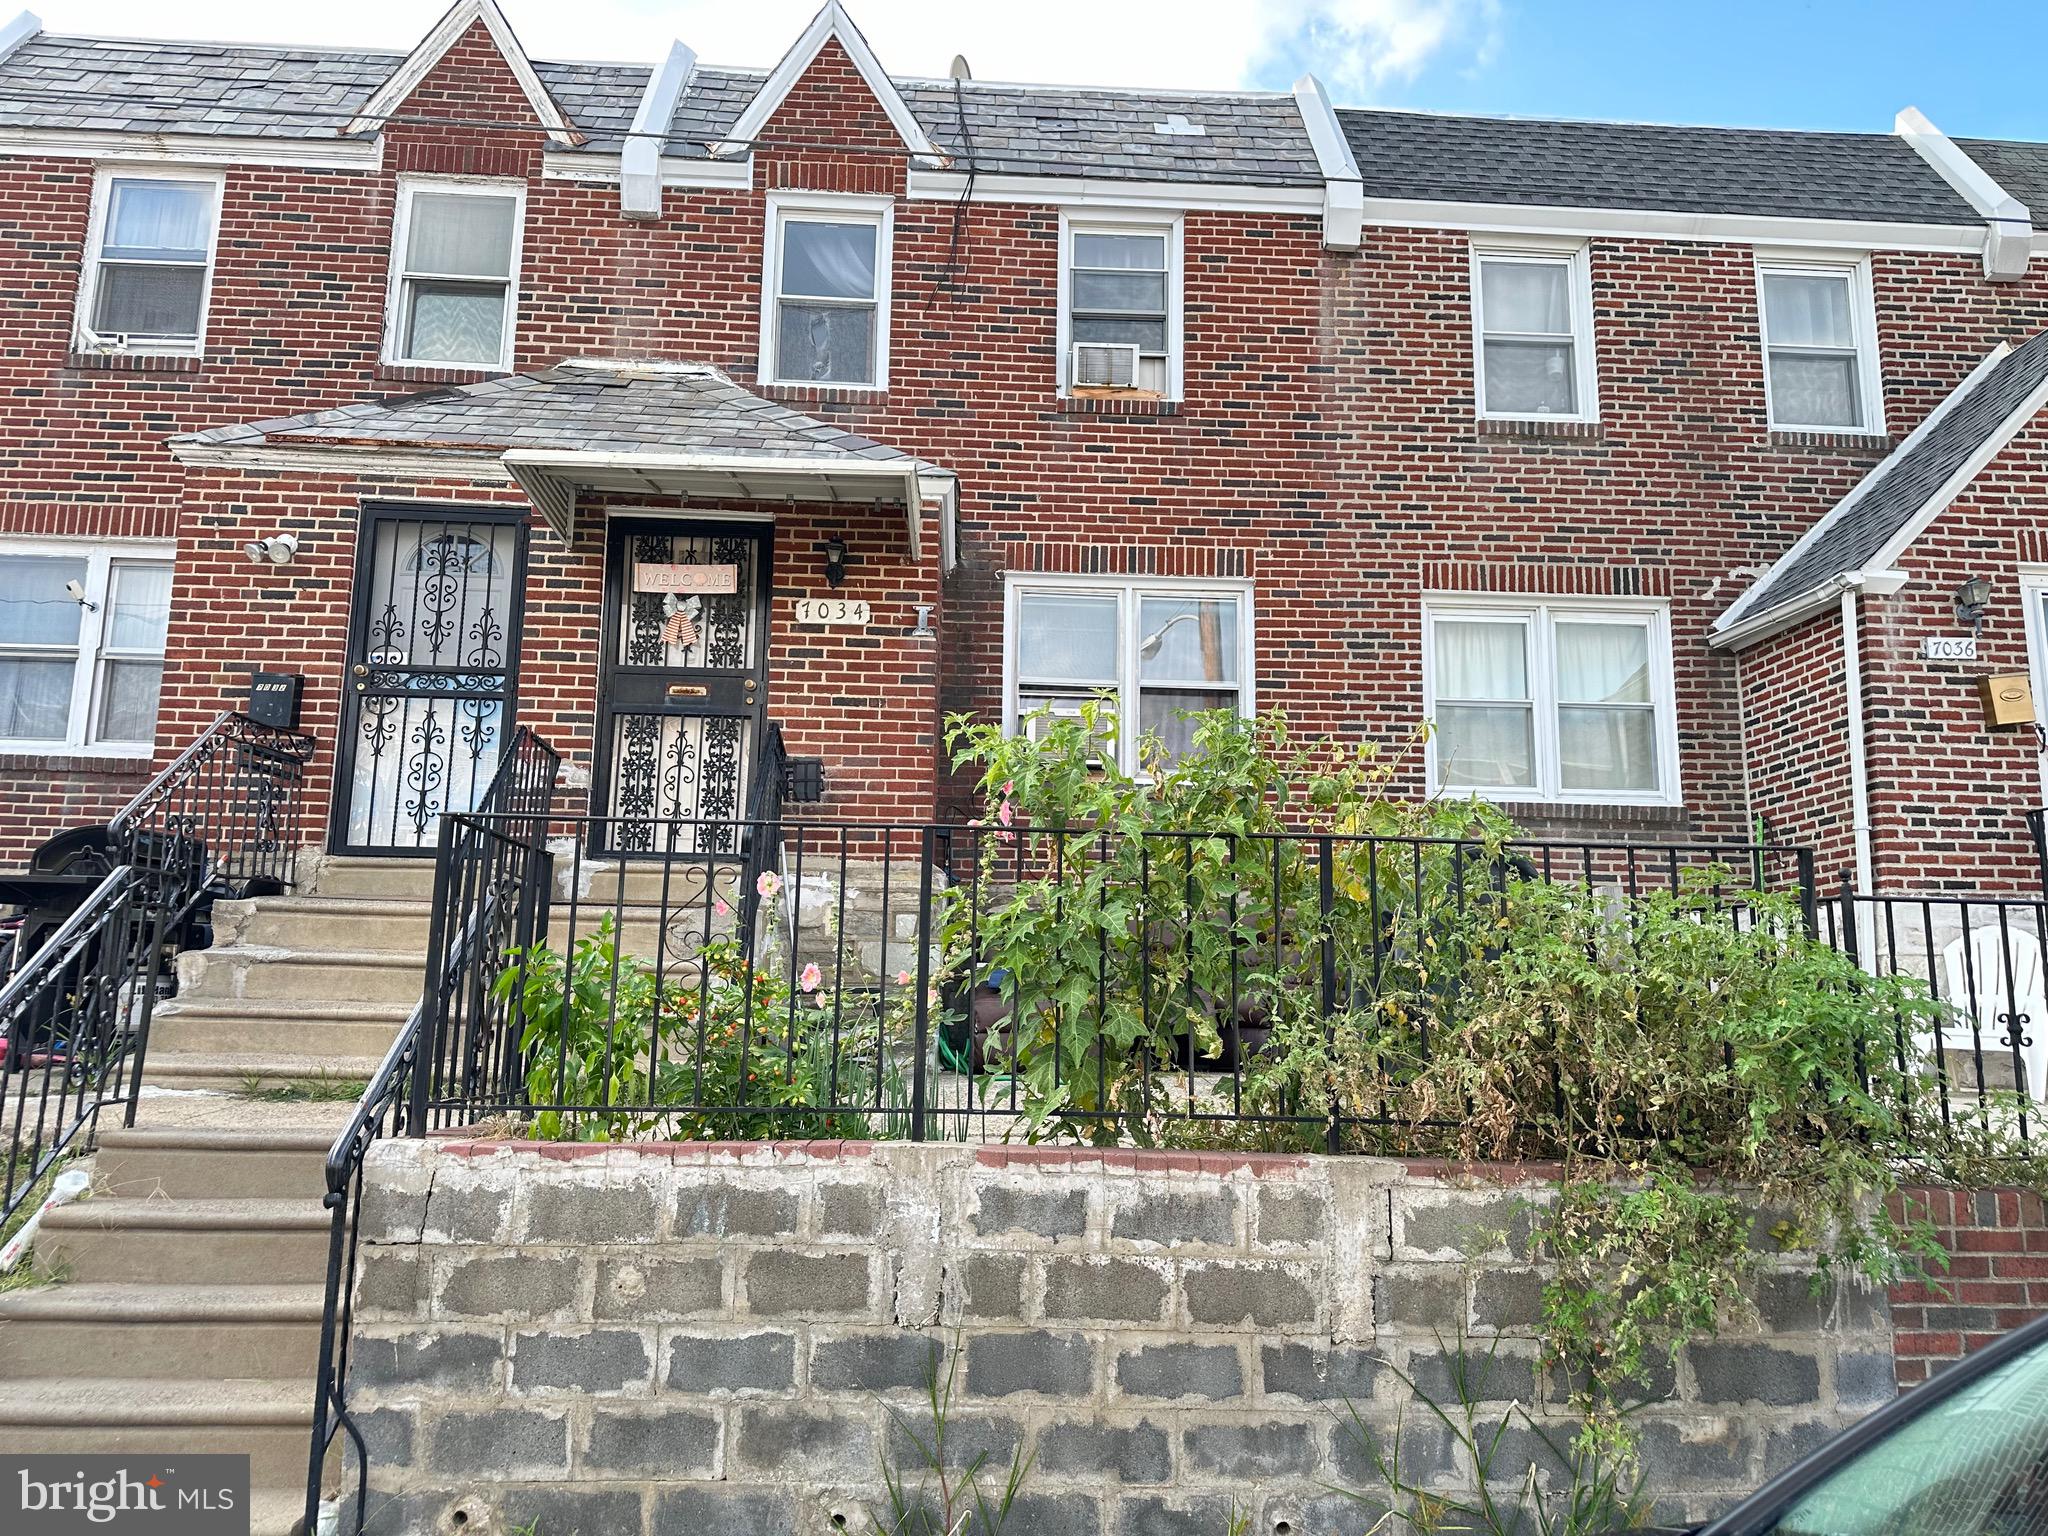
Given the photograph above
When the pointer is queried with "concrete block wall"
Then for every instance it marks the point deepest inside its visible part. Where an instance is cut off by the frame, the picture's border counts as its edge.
(669, 1339)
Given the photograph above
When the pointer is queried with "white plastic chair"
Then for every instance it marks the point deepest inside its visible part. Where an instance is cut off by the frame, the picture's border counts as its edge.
(1995, 996)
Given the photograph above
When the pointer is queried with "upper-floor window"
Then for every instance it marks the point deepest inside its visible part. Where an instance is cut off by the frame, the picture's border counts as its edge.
(1157, 650)
(82, 631)
(1550, 700)
(826, 316)
(1533, 329)
(1120, 305)
(455, 274)
(149, 262)
(1819, 346)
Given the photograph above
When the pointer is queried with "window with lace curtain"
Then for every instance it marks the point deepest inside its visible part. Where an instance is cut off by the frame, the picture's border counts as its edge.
(1820, 346)
(826, 315)
(82, 627)
(455, 274)
(149, 262)
(1566, 701)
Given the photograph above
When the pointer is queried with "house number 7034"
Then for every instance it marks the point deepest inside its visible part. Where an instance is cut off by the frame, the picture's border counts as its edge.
(841, 612)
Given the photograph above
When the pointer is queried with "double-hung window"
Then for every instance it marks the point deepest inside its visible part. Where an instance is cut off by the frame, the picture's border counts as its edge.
(82, 631)
(1120, 306)
(1820, 365)
(1153, 652)
(1550, 701)
(1533, 325)
(826, 319)
(455, 279)
(149, 262)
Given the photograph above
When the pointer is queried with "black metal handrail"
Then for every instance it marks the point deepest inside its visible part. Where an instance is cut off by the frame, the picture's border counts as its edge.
(221, 818)
(475, 898)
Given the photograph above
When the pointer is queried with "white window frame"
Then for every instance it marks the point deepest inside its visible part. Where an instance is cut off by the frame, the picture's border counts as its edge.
(1124, 222)
(101, 556)
(1129, 589)
(1575, 256)
(1862, 317)
(84, 337)
(401, 235)
(1541, 615)
(2033, 594)
(826, 208)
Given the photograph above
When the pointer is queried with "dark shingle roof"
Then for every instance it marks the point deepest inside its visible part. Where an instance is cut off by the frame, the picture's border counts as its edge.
(1858, 528)
(2021, 169)
(1648, 166)
(600, 407)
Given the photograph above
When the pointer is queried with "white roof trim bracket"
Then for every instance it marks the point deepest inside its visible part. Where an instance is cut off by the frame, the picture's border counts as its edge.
(831, 22)
(2009, 237)
(1343, 183)
(1736, 627)
(18, 31)
(460, 17)
(640, 158)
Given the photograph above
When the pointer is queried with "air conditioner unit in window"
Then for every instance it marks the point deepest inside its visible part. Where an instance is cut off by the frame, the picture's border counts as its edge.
(1104, 365)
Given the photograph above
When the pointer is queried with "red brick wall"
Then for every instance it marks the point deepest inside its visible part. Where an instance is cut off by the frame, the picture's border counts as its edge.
(1794, 739)
(1997, 1276)
(1326, 445)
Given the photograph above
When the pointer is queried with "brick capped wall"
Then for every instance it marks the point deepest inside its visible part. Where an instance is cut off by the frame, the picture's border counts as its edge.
(1997, 1275)
(730, 1337)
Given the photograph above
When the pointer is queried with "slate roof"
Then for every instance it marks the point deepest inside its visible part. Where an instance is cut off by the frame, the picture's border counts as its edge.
(1857, 529)
(1650, 166)
(2021, 169)
(600, 407)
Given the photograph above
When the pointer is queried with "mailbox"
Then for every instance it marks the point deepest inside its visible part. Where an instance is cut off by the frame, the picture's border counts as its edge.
(274, 698)
(2008, 699)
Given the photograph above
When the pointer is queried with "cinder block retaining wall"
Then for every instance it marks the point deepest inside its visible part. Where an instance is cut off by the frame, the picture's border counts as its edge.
(678, 1340)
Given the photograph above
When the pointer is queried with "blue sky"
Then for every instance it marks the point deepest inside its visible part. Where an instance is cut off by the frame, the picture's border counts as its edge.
(1974, 66)
(1971, 65)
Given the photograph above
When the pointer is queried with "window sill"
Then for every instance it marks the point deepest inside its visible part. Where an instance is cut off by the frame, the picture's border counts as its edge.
(825, 394)
(433, 373)
(1854, 442)
(1565, 431)
(1117, 405)
(134, 362)
(78, 760)
(1594, 813)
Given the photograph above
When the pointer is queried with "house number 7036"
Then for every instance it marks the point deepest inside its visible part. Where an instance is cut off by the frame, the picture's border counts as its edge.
(842, 612)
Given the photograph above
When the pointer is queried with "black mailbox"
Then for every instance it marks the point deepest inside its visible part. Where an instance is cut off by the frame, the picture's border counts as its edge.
(274, 699)
(803, 780)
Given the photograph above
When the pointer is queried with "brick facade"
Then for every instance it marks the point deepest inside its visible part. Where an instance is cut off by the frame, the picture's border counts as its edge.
(1997, 1275)
(1326, 449)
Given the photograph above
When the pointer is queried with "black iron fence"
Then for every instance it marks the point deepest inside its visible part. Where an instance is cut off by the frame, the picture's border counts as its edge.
(222, 819)
(490, 889)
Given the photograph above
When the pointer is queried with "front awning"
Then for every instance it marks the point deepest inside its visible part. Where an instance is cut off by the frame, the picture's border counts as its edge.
(553, 478)
(595, 428)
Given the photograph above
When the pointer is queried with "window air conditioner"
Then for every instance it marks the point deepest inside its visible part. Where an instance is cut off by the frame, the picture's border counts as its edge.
(1105, 365)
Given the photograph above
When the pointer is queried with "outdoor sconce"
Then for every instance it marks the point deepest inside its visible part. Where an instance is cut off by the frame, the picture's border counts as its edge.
(1972, 598)
(835, 562)
(278, 549)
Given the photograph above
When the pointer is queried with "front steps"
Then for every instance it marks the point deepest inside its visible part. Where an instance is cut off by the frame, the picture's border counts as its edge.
(184, 1313)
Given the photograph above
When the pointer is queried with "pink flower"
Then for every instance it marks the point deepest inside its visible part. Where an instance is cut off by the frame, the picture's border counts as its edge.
(903, 978)
(1009, 788)
(721, 908)
(769, 883)
(1006, 815)
(810, 977)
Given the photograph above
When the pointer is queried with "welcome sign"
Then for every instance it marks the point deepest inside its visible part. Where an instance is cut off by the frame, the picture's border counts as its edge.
(689, 580)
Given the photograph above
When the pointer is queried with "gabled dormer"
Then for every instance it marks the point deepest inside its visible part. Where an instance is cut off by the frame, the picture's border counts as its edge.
(465, 67)
(829, 66)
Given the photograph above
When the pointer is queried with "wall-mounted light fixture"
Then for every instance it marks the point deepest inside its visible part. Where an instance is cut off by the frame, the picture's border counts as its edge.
(835, 561)
(76, 593)
(1972, 598)
(278, 549)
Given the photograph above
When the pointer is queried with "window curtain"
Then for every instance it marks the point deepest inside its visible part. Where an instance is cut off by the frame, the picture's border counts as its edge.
(458, 236)
(140, 612)
(35, 698)
(1066, 636)
(1484, 744)
(1808, 311)
(1607, 736)
(828, 261)
(159, 220)
(1526, 296)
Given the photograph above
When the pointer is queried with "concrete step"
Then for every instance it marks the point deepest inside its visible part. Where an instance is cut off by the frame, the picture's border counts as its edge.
(390, 878)
(222, 1025)
(271, 1422)
(642, 882)
(159, 1332)
(212, 1164)
(316, 976)
(300, 924)
(289, 1074)
(123, 1241)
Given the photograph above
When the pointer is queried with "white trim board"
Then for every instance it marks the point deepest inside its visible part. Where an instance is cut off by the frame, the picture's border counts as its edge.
(445, 33)
(1102, 192)
(1652, 224)
(830, 23)
(194, 148)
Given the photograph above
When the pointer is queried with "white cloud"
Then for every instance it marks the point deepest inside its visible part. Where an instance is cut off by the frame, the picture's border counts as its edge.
(1358, 46)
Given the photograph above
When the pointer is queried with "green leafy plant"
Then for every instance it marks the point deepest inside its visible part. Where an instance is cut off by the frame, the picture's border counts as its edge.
(933, 1497)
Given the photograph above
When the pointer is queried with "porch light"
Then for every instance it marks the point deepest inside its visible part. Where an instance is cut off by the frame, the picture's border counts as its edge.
(1972, 598)
(835, 561)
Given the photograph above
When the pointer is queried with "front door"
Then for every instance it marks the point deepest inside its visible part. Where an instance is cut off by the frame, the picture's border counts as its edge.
(684, 686)
(432, 663)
